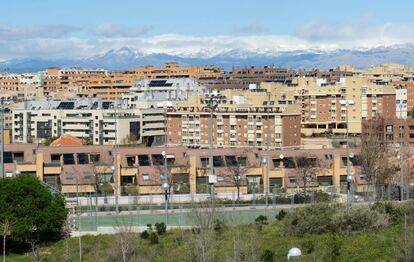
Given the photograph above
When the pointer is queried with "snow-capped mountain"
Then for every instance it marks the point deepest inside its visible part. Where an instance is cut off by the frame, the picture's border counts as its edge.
(126, 57)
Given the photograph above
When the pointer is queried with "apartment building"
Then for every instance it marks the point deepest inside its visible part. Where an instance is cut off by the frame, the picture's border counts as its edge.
(242, 77)
(97, 121)
(173, 70)
(19, 87)
(162, 92)
(240, 119)
(89, 169)
(322, 103)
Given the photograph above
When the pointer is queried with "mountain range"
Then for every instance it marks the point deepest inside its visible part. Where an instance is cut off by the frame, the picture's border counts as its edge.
(125, 58)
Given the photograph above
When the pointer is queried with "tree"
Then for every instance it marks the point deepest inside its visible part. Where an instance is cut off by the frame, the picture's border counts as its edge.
(172, 169)
(35, 212)
(373, 152)
(307, 167)
(238, 169)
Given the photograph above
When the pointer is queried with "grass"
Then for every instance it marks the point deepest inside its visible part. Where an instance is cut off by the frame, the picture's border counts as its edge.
(175, 245)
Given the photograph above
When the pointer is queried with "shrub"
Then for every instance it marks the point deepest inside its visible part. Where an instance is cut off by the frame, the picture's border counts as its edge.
(153, 238)
(161, 228)
(312, 219)
(260, 221)
(358, 219)
(342, 219)
(145, 234)
(268, 256)
(280, 215)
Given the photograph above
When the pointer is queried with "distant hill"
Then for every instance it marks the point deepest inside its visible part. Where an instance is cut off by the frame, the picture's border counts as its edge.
(125, 58)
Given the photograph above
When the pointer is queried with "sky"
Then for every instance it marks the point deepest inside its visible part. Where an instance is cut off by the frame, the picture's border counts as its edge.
(81, 28)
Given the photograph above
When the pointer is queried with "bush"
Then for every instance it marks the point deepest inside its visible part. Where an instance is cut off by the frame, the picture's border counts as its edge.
(145, 234)
(268, 256)
(312, 219)
(161, 228)
(280, 215)
(323, 218)
(260, 221)
(358, 219)
(153, 238)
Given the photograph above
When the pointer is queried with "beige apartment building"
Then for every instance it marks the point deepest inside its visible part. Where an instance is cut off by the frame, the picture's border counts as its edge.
(98, 83)
(240, 119)
(90, 168)
(322, 103)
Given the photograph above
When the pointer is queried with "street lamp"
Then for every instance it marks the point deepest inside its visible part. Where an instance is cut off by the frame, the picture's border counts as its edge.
(165, 187)
(116, 188)
(294, 253)
(347, 103)
(212, 103)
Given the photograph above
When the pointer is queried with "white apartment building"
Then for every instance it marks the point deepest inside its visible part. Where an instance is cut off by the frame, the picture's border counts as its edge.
(160, 92)
(97, 121)
(401, 102)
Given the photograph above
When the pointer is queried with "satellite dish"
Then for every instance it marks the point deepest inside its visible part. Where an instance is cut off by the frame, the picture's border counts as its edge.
(281, 156)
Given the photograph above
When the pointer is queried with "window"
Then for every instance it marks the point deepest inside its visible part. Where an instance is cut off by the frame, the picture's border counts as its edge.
(143, 160)
(55, 158)
(292, 180)
(328, 156)
(82, 159)
(8, 157)
(242, 160)
(131, 161)
(205, 162)
(68, 159)
(218, 161)
(18, 157)
(94, 158)
(157, 160)
(231, 160)
(276, 162)
(288, 162)
(145, 177)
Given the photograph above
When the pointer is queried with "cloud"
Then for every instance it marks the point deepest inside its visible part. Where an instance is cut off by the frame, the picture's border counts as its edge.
(115, 30)
(57, 41)
(251, 29)
(8, 32)
(356, 33)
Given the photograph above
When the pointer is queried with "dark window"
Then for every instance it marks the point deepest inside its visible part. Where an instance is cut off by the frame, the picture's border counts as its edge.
(44, 129)
(345, 161)
(18, 157)
(288, 162)
(356, 160)
(95, 158)
(131, 160)
(325, 180)
(55, 158)
(205, 161)
(218, 161)
(170, 160)
(68, 159)
(242, 160)
(275, 182)
(328, 156)
(231, 160)
(143, 160)
(134, 131)
(8, 157)
(343, 178)
(276, 162)
(157, 160)
(83, 159)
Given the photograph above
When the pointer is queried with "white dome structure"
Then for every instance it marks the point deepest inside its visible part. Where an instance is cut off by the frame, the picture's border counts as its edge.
(294, 253)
